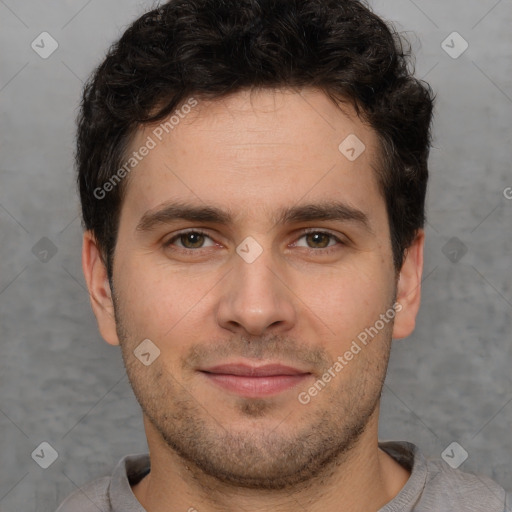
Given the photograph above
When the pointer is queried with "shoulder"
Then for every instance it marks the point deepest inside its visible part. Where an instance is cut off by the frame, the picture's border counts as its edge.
(110, 492)
(448, 486)
(434, 486)
(92, 497)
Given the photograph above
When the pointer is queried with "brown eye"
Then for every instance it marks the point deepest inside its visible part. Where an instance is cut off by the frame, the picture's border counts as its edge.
(192, 240)
(318, 240)
(321, 242)
(189, 240)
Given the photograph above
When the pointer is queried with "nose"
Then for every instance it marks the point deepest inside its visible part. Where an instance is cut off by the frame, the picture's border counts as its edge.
(256, 298)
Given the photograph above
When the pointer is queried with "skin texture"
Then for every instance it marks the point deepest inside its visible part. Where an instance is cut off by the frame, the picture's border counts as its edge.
(301, 302)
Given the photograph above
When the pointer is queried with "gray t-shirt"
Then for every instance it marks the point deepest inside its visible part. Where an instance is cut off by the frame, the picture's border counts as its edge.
(432, 487)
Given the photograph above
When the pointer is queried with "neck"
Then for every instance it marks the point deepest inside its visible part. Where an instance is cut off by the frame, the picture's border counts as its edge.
(363, 479)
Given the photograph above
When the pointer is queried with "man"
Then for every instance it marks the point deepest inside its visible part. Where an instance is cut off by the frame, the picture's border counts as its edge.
(252, 176)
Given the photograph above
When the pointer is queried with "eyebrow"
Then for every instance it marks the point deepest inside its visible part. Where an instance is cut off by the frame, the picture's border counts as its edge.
(333, 211)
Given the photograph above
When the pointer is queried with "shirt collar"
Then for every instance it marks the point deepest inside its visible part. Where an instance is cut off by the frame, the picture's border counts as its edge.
(132, 468)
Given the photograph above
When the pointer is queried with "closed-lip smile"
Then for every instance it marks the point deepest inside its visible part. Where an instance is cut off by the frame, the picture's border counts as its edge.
(254, 381)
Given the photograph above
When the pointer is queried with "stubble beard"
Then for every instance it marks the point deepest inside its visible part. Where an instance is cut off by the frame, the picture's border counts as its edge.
(287, 455)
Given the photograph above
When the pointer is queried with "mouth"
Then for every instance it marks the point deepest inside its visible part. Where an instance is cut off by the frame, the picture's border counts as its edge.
(255, 381)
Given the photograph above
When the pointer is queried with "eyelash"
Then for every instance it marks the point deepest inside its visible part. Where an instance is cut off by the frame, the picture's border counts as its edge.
(325, 250)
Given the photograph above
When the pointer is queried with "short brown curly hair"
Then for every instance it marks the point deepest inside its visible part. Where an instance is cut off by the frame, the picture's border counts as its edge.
(211, 48)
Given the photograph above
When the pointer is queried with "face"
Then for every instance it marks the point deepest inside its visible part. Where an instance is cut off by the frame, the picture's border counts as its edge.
(248, 237)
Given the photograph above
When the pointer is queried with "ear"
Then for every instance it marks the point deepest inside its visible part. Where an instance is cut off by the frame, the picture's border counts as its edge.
(409, 288)
(96, 277)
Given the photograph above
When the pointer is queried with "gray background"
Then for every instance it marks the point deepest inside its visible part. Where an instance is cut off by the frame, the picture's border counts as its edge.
(60, 383)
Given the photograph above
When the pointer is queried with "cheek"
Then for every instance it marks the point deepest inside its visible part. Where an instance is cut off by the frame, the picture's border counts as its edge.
(162, 302)
(348, 300)
(158, 301)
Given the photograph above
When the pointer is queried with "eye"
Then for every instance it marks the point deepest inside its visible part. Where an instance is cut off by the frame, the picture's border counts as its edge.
(197, 239)
(318, 240)
(190, 240)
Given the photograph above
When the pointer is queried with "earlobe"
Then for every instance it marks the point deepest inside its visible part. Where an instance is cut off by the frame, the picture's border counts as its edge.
(100, 294)
(409, 288)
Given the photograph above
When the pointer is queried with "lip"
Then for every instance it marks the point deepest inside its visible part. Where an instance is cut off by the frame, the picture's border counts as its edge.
(255, 381)
(254, 371)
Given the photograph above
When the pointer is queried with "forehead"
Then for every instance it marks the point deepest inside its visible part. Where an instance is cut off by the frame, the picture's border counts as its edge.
(252, 152)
